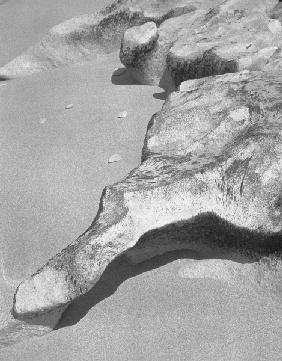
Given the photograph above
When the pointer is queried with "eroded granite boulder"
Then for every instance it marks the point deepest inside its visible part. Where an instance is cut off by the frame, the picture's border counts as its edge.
(209, 182)
(83, 38)
(137, 41)
(227, 37)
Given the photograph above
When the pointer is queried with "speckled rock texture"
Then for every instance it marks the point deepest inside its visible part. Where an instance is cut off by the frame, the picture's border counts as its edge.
(137, 42)
(225, 38)
(210, 181)
(84, 37)
(210, 176)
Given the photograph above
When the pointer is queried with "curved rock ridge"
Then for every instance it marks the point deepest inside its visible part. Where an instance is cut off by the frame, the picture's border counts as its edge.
(83, 38)
(209, 182)
(226, 38)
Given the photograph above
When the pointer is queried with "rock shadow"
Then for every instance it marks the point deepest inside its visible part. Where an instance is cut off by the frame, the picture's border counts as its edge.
(122, 76)
(4, 77)
(120, 270)
(205, 236)
(215, 237)
(161, 96)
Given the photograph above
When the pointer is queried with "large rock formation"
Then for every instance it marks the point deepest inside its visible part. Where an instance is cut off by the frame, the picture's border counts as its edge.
(210, 177)
(210, 181)
(226, 39)
(84, 37)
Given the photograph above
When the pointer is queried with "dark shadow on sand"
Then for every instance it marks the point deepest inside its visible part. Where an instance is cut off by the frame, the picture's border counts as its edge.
(161, 96)
(218, 239)
(122, 76)
(116, 273)
(4, 77)
(209, 230)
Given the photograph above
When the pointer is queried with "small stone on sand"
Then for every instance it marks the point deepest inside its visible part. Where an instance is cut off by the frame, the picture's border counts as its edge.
(114, 158)
(42, 120)
(69, 106)
(123, 114)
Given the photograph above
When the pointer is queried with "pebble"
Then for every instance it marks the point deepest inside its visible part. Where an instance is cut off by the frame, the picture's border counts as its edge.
(42, 120)
(69, 106)
(123, 114)
(114, 158)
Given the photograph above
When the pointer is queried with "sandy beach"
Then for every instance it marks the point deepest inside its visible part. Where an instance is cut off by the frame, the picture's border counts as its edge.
(58, 131)
(24, 22)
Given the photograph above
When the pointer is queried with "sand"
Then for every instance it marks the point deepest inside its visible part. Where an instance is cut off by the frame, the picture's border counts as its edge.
(159, 316)
(24, 22)
(54, 165)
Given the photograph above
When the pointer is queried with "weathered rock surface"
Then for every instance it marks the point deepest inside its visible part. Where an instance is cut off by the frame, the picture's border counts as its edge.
(137, 41)
(84, 37)
(227, 37)
(210, 182)
(210, 177)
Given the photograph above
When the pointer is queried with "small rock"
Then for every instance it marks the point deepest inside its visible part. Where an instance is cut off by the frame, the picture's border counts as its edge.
(42, 120)
(137, 41)
(69, 106)
(114, 158)
(123, 114)
(140, 35)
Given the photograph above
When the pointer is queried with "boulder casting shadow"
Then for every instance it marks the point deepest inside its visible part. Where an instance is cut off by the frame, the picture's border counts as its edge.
(210, 178)
(212, 186)
(206, 226)
(115, 274)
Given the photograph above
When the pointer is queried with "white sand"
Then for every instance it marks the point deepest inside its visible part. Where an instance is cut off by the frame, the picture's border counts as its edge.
(24, 22)
(54, 165)
(53, 172)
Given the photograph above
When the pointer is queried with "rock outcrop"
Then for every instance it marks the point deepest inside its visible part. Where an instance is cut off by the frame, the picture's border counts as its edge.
(138, 41)
(210, 177)
(83, 38)
(225, 39)
(210, 181)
